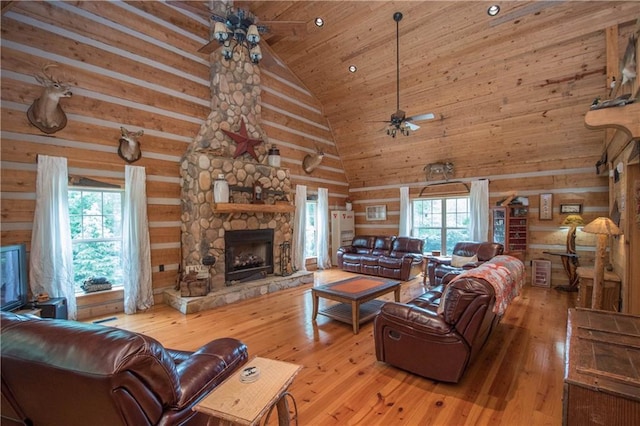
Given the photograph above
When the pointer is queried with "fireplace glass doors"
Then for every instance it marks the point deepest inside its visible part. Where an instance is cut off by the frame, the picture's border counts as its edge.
(248, 255)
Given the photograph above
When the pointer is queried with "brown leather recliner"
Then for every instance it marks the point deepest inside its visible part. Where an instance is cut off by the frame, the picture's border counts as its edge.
(440, 270)
(415, 337)
(390, 257)
(59, 372)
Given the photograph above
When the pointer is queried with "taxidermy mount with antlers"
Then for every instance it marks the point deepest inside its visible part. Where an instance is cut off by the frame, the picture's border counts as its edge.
(311, 161)
(129, 148)
(45, 112)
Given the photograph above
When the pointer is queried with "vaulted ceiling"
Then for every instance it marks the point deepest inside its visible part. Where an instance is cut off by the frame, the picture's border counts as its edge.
(487, 79)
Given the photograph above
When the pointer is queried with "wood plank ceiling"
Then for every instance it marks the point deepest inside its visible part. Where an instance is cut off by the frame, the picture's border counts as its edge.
(503, 83)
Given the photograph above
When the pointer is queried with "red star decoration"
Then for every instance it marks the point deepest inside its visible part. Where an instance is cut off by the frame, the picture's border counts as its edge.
(245, 143)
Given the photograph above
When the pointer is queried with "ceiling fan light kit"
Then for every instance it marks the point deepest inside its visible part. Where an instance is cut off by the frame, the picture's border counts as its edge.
(236, 31)
(399, 123)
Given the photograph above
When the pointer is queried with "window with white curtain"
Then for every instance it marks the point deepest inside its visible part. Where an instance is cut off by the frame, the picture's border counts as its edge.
(95, 217)
(441, 222)
(310, 246)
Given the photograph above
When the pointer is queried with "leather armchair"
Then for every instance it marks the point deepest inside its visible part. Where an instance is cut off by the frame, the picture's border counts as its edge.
(437, 343)
(59, 372)
(440, 270)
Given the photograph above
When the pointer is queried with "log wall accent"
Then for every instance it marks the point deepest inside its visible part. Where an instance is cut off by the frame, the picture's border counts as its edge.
(134, 64)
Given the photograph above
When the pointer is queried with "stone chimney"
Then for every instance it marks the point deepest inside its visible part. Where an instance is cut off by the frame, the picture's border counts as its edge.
(235, 96)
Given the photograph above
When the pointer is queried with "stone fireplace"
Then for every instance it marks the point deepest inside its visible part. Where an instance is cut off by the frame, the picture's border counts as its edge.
(236, 91)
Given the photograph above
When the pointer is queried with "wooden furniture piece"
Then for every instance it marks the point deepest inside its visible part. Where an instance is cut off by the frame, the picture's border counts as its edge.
(541, 273)
(237, 402)
(427, 259)
(356, 296)
(510, 228)
(602, 381)
(611, 294)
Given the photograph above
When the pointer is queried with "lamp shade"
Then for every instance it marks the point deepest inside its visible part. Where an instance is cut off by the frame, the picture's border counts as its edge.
(602, 226)
(573, 220)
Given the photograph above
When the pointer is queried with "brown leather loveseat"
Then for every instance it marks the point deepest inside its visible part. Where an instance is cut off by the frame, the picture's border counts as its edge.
(439, 267)
(385, 256)
(60, 372)
(439, 333)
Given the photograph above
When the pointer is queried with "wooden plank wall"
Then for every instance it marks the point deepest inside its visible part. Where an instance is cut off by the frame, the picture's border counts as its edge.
(521, 147)
(134, 64)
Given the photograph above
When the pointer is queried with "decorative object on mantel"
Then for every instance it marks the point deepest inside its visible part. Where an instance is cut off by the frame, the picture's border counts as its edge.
(433, 169)
(129, 145)
(221, 190)
(603, 227)
(244, 143)
(45, 112)
(311, 161)
(258, 196)
(274, 156)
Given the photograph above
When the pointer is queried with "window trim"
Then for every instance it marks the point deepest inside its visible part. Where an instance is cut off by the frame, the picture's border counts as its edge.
(443, 228)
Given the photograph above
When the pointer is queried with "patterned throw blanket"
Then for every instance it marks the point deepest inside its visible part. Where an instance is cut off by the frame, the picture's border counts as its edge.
(506, 276)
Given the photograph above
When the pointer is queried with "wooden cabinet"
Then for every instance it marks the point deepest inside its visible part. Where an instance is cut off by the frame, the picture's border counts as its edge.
(610, 293)
(510, 228)
(602, 381)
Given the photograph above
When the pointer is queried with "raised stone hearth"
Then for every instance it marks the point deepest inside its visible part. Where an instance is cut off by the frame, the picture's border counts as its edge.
(248, 290)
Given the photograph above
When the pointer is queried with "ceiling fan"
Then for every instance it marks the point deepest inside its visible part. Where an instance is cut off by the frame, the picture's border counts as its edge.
(399, 122)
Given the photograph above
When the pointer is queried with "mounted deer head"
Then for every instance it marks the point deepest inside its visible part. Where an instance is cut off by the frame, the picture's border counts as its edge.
(310, 162)
(129, 148)
(45, 112)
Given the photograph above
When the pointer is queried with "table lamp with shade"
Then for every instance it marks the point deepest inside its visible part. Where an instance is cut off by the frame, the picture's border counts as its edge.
(603, 227)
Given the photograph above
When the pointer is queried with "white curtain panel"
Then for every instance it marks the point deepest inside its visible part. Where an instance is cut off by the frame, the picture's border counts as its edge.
(479, 203)
(136, 250)
(51, 256)
(322, 243)
(405, 212)
(299, 228)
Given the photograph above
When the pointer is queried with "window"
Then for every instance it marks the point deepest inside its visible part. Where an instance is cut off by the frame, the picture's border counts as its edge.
(310, 246)
(442, 222)
(95, 216)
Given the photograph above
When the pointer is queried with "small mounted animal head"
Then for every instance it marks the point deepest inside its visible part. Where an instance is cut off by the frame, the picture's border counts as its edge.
(45, 112)
(129, 148)
(444, 169)
(311, 161)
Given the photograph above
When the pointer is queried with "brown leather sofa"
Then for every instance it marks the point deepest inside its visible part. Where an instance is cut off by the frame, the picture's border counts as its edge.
(440, 270)
(413, 336)
(59, 372)
(385, 256)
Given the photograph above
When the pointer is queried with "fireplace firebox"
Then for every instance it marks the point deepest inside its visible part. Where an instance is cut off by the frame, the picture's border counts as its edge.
(248, 255)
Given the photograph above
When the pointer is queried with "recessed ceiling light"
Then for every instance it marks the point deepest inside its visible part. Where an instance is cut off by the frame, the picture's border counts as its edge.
(319, 22)
(493, 10)
(353, 68)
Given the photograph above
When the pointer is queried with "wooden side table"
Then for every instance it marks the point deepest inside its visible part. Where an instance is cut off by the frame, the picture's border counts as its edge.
(611, 289)
(235, 402)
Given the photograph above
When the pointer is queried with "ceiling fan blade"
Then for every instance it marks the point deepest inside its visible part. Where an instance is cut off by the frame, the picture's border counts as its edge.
(293, 30)
(411, 126)
(428, 116)
(209, 47)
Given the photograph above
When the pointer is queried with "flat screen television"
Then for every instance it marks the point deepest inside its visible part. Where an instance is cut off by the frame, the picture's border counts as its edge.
(13, 276)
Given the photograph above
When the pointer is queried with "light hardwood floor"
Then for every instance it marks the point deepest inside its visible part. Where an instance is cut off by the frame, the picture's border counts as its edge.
(516, 380)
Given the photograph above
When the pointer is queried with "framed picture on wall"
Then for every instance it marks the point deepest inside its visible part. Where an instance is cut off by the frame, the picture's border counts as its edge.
(376, 212)
(546, 206)
(571, 208)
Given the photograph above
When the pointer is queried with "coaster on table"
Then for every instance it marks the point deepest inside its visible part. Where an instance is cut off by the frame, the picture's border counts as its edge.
(249, 374)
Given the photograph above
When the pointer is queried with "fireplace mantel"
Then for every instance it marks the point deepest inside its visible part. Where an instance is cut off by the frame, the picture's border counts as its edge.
(232, 208)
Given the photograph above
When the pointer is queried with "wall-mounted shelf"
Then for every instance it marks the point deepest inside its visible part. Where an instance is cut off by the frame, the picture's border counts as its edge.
(625, 118)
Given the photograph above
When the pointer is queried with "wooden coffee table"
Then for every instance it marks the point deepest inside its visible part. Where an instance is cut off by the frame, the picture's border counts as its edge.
(356, 296)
